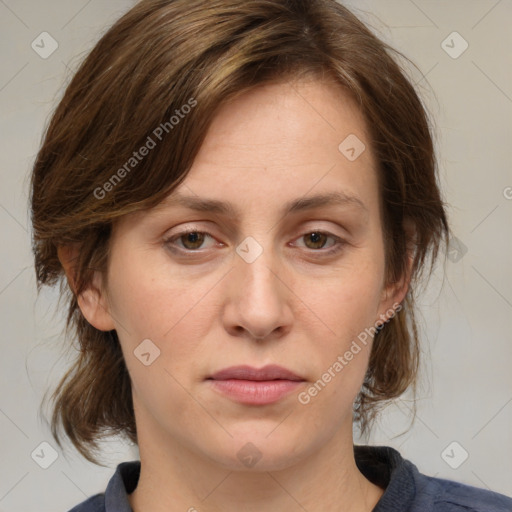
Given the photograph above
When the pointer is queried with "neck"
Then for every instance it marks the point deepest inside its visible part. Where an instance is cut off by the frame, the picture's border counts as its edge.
(175, 478)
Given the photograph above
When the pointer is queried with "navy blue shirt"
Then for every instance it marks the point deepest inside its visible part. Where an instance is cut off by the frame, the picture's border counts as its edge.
(406, 489)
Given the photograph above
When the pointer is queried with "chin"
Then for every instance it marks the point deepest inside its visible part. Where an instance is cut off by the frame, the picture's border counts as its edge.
(262, 450)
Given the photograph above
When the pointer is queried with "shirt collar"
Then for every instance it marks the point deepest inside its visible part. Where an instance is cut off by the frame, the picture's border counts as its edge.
(385, 467)
(123, 482)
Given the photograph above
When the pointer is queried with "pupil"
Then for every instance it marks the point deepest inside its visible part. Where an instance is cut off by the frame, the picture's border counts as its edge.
(315, 237)
(192, 239)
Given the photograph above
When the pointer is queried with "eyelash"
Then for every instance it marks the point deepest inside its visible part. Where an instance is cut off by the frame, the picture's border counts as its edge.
(337, 247)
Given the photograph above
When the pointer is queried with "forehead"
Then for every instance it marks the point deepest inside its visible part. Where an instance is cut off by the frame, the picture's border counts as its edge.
(226, 208)
(283, 141)
(290, 121)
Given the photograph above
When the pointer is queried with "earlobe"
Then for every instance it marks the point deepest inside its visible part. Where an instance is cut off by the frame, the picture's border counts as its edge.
(93, 300)
(391, 303)
(395, 293)
(95, 308)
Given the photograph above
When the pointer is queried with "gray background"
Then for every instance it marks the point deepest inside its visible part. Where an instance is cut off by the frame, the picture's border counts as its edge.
(466, 389)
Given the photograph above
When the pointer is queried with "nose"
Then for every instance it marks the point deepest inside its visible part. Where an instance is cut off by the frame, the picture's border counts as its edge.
(259, 300)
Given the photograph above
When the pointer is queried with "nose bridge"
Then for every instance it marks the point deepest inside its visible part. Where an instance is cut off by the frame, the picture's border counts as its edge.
(259, 297)
(257, 265)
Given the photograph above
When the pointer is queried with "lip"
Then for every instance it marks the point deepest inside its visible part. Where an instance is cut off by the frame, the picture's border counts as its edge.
(245, 372)
(255, 386)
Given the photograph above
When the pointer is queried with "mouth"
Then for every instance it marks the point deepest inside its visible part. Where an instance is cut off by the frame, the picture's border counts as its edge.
(253, 386)
(269, 372)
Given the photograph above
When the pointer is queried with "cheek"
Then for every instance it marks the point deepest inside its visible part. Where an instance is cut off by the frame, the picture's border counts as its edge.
(147, 298)
(348, 301)
(169, 312)
(174, 311)
(348, 306)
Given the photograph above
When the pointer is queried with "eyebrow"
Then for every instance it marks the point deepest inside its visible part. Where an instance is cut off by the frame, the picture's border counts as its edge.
(297, 205)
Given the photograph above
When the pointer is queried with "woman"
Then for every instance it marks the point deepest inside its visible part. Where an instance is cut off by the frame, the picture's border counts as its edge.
(242, 196)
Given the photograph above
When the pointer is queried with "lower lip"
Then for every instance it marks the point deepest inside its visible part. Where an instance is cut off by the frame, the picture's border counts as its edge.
(255, 392)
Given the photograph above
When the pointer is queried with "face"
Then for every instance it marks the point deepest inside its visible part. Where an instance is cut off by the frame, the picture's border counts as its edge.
(259, 279)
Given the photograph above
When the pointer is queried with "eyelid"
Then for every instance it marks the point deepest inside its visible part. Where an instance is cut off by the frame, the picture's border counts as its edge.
(169, 240)
(336, 247)
(339, 245)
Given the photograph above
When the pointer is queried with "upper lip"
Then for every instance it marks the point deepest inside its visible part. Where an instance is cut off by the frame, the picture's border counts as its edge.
(244, 372)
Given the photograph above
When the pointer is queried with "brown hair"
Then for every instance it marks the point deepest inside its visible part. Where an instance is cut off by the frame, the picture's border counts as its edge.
(159, 57)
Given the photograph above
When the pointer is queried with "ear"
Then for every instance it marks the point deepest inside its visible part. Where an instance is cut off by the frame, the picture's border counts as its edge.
(93, 301)
(394, 293)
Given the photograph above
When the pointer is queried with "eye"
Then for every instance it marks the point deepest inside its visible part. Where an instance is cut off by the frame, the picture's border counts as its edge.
(191, 240)
(316, 240)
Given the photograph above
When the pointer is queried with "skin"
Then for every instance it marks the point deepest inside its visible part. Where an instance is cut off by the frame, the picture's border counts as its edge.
(294, 306)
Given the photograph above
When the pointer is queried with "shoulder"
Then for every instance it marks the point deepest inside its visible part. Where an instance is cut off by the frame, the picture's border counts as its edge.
(406, 489)
(119, 486)
(450, 496)
(95, 503)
